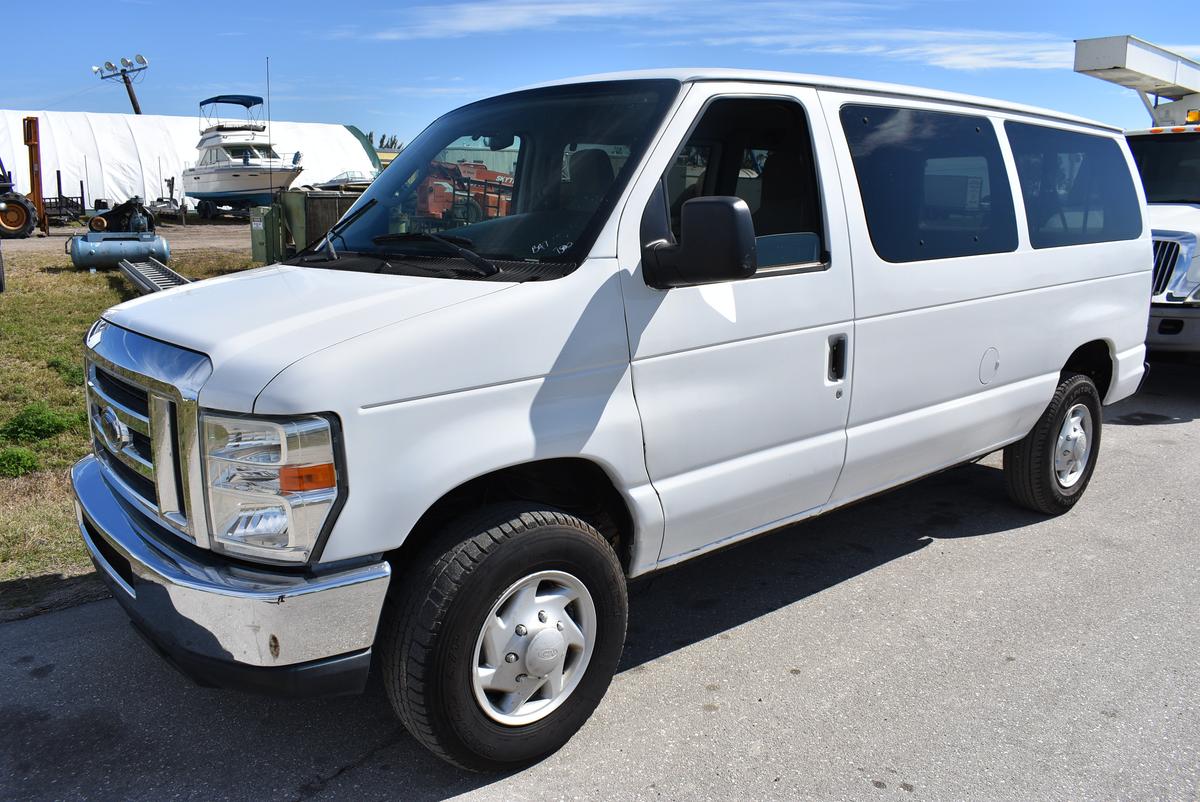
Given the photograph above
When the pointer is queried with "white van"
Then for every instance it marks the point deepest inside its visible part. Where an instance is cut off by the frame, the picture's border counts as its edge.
(578, 333)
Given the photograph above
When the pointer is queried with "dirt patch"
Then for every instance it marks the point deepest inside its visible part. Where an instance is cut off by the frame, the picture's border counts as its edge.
(224, 235)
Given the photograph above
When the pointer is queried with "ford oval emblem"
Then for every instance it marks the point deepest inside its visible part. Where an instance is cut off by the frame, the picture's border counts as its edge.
(548, 654)
(116, 433)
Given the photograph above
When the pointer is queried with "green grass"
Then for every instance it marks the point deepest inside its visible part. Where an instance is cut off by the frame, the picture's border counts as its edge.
(45, 311)
(16, 461)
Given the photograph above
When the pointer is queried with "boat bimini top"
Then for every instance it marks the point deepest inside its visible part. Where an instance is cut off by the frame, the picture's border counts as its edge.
(210, 121)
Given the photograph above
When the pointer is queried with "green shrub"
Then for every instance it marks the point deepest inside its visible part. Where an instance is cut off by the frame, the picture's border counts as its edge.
(70, 370)
(17, 461)
(37, 422)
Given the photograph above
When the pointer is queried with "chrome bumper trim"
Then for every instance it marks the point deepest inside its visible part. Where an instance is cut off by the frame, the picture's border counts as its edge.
(216, 609)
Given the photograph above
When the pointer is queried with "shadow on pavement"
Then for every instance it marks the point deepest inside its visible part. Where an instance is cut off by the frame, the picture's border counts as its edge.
(1170, 394)
(33, 595)
(717, 592)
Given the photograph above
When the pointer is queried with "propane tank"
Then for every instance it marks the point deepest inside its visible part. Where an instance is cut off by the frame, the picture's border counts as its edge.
(106, 249)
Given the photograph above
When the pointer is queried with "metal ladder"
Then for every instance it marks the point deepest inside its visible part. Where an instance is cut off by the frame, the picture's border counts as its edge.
(151, 275)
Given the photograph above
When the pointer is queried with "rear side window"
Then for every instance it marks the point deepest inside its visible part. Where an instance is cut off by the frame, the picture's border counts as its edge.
(933, 184)
(1077, 187)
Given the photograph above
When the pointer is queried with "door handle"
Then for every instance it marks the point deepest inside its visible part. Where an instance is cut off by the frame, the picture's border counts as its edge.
(837, 357)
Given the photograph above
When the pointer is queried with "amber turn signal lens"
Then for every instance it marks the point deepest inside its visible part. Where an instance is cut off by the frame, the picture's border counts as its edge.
(298, 478)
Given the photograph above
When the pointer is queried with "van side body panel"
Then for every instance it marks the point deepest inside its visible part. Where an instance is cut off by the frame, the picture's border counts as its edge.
(956, 357)
(743, 431)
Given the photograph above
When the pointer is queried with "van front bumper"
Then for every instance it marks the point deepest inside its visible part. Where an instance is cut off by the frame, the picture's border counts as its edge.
(227, 624)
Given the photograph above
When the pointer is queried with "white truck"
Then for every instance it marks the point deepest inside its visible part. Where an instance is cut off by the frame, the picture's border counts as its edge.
(708, 304)
(1168, 158)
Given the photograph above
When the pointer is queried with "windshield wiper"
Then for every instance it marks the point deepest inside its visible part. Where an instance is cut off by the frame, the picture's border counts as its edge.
(485, 267)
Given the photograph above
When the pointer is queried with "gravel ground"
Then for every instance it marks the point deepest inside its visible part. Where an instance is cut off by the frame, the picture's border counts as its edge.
(224, 235)
(932, 643)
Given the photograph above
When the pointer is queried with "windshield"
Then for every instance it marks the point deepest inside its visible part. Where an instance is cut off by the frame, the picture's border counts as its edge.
(1170, 166)
(528, 177)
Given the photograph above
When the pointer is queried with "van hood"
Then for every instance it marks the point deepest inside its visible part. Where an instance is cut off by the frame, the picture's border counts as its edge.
(1175, 217)
(254, 324)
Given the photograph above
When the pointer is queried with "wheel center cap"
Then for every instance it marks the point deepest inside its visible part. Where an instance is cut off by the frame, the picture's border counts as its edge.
(1079, 446)
(546, 651)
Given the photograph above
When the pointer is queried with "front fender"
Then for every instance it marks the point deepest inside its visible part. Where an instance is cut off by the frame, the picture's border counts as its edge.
(540, 371)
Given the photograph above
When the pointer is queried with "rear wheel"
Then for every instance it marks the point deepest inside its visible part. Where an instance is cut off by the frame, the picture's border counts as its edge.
(18, 218)
(1049, 469)
(206, 209)
(505, 636)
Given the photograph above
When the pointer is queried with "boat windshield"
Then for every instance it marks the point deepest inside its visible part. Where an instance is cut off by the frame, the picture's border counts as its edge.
(526, 177)
(238, 152)
(1170, 166)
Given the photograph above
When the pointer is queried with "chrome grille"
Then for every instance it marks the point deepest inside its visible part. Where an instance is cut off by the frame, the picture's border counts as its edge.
(119, 412)
(143, 413)
(121, 427)
(1166, 255)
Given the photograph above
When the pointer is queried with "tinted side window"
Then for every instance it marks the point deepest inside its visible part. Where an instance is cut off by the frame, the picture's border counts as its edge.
(1077, 187)
(933, 184)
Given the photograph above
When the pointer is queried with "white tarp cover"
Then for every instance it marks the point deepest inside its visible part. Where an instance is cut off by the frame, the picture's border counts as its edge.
(118, 156)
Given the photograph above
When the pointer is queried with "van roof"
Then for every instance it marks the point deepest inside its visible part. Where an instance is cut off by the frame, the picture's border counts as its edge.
(692, 75)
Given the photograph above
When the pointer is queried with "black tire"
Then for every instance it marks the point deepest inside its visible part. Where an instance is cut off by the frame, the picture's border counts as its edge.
(206, 209)
(19, 219)
(1029, 474)
(429, 632)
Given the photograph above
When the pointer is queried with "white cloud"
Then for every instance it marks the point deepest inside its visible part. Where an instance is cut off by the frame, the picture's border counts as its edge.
(682, 17)
(786, 27)
(952, 49)
(454, 20)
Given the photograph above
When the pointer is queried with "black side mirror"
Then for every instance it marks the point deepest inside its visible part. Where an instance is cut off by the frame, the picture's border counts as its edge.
(718, 245)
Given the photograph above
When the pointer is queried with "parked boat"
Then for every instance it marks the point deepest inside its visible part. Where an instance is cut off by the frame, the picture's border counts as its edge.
(349, 181)
(238, 166)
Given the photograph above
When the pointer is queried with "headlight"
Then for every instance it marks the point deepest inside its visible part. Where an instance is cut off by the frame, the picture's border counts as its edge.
(272, 484)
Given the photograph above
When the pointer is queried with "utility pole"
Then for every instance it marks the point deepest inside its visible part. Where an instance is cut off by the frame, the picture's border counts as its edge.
(137, 107)
(128, 68)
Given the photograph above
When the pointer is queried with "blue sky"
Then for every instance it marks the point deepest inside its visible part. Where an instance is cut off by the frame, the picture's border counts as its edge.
(393, 67)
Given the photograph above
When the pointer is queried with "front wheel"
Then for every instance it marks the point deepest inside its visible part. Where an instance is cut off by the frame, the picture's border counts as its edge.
(505, 636)
(1049, 469)
(18, 218)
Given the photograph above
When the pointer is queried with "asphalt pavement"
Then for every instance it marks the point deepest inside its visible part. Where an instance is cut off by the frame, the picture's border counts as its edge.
(931, 643)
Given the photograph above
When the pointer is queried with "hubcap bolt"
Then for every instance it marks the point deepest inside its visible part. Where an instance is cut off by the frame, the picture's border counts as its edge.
(521, 630)
(511, 657)
(560, 626)
(542, 616)
(522, 677)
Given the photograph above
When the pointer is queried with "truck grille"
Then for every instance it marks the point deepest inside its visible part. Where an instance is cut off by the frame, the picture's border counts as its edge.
(120, 412)
(141, 406)
(1166, 255)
